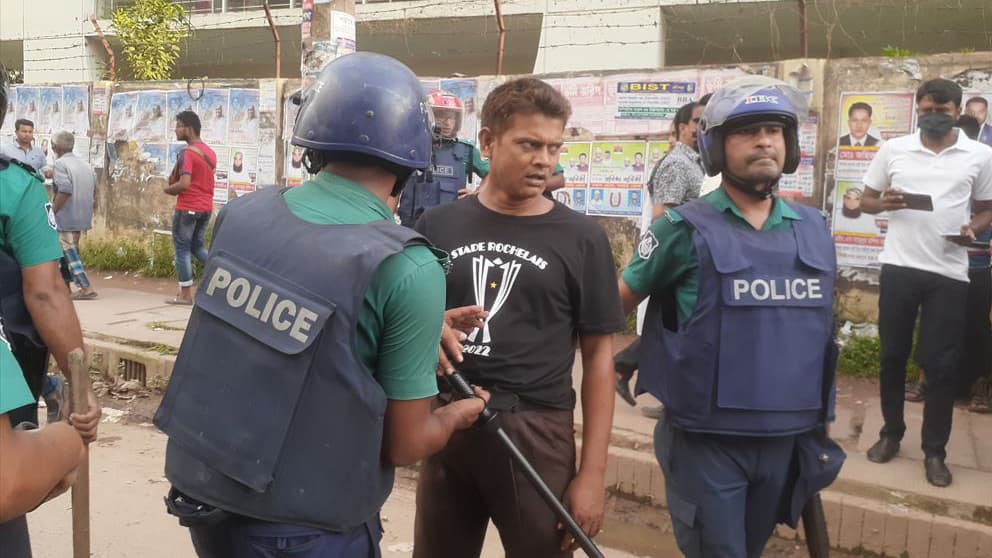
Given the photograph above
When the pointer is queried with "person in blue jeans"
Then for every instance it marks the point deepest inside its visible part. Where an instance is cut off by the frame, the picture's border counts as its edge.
(192, 182)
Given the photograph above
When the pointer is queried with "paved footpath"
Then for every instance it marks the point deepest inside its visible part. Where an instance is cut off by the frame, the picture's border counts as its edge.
(887, 509)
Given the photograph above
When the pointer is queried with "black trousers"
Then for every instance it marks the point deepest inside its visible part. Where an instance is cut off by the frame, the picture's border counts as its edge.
(940, 303)
(977, 359)
(34, 363)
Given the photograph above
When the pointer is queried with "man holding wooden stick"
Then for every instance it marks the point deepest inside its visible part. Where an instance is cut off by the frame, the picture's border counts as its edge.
(36, 464)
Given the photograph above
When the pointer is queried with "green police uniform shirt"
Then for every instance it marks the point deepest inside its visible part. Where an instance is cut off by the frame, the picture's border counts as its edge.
(666, 262)
(399, 325)
(27, 232)
(14, 392)
(27, 221)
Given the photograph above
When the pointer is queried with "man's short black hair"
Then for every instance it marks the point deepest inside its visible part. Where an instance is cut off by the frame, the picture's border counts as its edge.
(638, 153)
(860, 105)
(189, 119)
(705, 99)
(941, 91)
(969, 125)
(22, 122)
(682, 117)
(979, 100)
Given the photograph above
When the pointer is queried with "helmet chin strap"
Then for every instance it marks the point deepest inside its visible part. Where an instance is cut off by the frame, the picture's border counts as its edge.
(748, 188)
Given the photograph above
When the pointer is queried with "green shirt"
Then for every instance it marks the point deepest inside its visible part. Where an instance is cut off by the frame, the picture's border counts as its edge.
(14, 391)
(399, 325)
(672, 264)
(27, 222)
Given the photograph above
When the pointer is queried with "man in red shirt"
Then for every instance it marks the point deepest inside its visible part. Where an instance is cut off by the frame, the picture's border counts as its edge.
(192, 181)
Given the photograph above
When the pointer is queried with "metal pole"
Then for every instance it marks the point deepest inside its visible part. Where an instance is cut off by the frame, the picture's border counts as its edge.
(502, 37)
(275, 35)
(803, 33)
(106, 46)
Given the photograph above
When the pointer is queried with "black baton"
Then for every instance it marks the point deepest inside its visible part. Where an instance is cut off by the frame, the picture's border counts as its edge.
(489, 422)
(815, 525)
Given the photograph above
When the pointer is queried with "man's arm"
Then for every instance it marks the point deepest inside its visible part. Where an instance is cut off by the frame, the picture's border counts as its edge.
(586, 494)
(35, 464)
(179, 187)
(880, 194)
(53, 314)
(60, 201)
(62, 181)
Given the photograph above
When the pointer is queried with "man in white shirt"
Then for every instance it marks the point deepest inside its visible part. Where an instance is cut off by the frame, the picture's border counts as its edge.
(923, 265)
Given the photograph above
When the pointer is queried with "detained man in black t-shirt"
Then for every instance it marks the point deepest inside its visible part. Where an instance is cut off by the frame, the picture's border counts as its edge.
(541, 279)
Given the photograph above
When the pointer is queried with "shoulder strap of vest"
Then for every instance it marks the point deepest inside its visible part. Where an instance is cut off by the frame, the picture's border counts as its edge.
(202, 155)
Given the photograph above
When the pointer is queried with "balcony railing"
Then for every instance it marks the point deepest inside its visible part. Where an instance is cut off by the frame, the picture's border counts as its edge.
(220, 6)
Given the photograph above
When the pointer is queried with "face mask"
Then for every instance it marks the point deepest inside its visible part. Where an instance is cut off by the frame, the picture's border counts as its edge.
(936, 125)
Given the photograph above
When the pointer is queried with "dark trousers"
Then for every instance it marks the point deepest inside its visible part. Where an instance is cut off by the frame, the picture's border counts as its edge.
(34, 363)
(241, 537)
(940, 303)
(977, 359)
(725, 493)
(14, 539)
(473, 480)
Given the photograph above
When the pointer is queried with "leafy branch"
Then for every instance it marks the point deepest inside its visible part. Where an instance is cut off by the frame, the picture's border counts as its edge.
(150, 32)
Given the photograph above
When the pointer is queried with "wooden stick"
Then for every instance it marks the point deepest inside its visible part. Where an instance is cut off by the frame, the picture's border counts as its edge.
(79, 381)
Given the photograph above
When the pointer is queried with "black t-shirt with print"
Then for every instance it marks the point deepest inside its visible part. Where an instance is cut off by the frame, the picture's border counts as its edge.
(545, 280)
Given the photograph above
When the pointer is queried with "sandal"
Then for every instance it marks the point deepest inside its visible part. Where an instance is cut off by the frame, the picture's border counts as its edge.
(916, 392)
(80, 295)
(982, 401)
(179, 301)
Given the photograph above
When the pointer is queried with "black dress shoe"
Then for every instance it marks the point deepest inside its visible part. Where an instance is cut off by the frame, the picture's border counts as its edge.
(883, 451)
(937, 473)
(623, 386)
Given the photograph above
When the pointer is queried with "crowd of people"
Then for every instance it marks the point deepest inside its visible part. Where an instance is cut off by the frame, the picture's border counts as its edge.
(330, 321)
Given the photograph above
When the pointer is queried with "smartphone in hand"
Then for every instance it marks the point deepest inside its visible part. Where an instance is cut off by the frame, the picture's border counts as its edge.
(920, 202)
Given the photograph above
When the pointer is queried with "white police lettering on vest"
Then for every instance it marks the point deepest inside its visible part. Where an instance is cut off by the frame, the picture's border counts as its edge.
(281, 314)
(759, 290)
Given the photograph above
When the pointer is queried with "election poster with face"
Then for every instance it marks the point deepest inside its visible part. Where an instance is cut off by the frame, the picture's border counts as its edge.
(178, 101)
(574, 158)
(800, 183)
(50, 110)
(76, 109)
(616, 175)
(976, 105)
(214, 110)
(122, 116)
(865, 122)
(151, 124)
(243, 125)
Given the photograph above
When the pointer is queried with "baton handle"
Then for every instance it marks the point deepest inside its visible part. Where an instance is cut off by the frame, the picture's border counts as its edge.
(487, 419)
(79, 382)
(815, 526)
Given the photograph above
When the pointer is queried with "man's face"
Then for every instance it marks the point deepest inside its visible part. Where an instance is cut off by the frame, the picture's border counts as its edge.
(156, 111)
(977, 109)
(239, 161)
(756, 154)
(447, 120)
(926, 105)
(523, 156)
(297, 155)
(638, 159)
(25, 135)
(582, 158)
(852, 200)
(688, 131)
(858, 123)
(181, 134)
(218, 112)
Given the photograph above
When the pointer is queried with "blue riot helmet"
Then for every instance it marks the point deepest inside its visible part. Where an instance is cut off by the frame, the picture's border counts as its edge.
(366, 107)
(746, 102)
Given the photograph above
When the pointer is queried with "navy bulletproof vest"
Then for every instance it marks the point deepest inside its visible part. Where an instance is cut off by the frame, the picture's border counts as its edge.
(750, 359)
(269, 412)
(450, 165)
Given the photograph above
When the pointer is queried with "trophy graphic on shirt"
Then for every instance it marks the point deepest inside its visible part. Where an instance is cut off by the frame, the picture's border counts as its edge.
(491, 276)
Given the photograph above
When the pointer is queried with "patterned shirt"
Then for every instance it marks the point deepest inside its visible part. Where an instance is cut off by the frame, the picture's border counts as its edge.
(678, 176)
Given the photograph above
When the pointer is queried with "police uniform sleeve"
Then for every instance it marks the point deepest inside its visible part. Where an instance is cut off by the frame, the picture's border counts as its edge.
(31, 231)
(14, 391)
(479, 165)
(412, 314)
(663, 256)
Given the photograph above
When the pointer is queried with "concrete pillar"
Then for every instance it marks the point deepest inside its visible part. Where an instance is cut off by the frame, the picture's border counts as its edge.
(328, 31)
(589, 40)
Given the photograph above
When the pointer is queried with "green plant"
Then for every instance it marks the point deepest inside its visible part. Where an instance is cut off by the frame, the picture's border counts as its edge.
(861, 357)
(150, 32)
(896, 52)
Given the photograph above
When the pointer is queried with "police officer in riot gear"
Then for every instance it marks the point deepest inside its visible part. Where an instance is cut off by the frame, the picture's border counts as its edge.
(456, 161)
(745, 364)
(35, 314)
(307, 370)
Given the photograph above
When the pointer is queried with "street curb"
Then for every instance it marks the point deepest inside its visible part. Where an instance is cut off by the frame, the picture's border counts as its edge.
(119, 360)
(855, 524)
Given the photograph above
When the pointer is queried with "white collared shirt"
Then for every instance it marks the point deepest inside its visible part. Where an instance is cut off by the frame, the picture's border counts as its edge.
(953, 177)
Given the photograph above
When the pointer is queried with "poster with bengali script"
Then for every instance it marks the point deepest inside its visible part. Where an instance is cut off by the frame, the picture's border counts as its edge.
(214, 111)
(243, 169)
(242, 128)
(266, 163)
(575, 159)
(76, 109)
(588, 100)
(976, 104)
(151, 124)
(7, 126)
(49, 118)
(657, 149)
(865, 122)
(652, 100)
(122, 111)
(27, 103)
(293, 169)
(289, 112)
(800, 183)
(616, 174)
